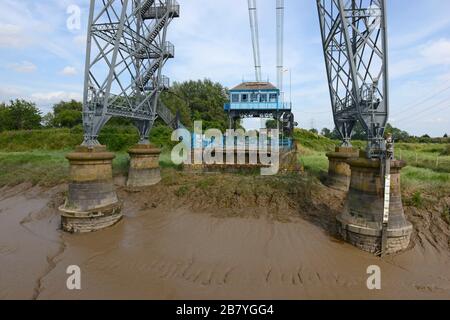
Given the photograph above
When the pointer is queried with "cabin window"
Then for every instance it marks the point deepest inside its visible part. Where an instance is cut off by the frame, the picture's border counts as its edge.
(263, 97)
(244, 97)
(235, 98)
(254, 97)
(273, 97)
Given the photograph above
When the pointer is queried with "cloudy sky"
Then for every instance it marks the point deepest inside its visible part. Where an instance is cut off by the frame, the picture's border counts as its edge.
(42, 60)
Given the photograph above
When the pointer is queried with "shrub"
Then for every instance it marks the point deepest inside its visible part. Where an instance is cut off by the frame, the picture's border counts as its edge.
(446, 151)
(416, 200)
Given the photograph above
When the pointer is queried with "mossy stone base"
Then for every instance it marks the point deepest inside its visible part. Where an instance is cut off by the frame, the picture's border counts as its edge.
(361, 222)
(339, 172)
(242, 162)
(92, 203)
(144, 166)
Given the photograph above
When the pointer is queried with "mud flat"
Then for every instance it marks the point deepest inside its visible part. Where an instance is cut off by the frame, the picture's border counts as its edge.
(170, 247)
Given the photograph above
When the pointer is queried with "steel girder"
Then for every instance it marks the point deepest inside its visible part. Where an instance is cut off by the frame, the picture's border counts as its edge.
(354, 38)
(126, 52)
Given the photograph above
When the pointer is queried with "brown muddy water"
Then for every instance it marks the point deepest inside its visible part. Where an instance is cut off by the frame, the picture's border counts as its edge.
(174, 252)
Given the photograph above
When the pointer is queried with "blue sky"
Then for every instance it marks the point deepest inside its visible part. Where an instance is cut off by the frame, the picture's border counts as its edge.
(42, 60)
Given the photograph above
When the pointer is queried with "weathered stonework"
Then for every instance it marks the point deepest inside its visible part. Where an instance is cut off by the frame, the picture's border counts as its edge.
(339, 172)
(144, 166)
(361, 222)
(92, 202)
(241, 164)
(194, 167)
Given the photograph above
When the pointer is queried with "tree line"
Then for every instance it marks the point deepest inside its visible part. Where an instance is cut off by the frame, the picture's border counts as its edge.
(25, 115)
(191, 100)
(398, 135)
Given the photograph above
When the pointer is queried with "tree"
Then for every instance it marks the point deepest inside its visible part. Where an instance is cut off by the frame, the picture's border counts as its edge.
(326, 132)
(272, 124)
(19, 115)
(4, 117)
(198, 100)
(358, 132)
(397, 134)
(315, 131)
(48, 120)
(445, 135)
(67, 114)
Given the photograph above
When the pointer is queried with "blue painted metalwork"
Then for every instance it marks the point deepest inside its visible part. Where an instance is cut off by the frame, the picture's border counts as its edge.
(269, 106)
(285, 143)
(260, 99)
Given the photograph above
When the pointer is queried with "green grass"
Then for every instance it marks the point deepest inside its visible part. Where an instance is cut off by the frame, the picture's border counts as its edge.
(423, 177)
(116, 138)
(315, 162)
(37, 167)
(39, 156)
(314, 141)
(427, 156)
(446, 151)
(426, 180)
(50, 168)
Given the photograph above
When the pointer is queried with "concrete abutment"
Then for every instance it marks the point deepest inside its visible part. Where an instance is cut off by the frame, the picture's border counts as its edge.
(361, 222)
(144, 166)
(92, 203)
(339, 173)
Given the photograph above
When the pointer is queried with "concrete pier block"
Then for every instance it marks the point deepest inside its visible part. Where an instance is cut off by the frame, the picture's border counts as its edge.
(338, 170)
(242, 161)
(361, 222)
(194, 167)
(92, 203)
(144, 166)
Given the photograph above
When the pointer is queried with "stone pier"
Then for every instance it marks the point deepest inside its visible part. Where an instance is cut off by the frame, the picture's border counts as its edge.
(361, 222)
(92, 203)
(338, 170)
(243, 162)
(144, 166)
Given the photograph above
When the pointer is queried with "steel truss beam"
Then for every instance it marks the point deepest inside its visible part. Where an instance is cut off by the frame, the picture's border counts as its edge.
(354, 38)
(126, 52)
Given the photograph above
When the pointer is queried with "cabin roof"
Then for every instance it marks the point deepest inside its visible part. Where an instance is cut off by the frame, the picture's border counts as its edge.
(255, 86)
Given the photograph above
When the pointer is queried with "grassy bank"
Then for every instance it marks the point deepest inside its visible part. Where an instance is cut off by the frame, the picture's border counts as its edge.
(43, 167)
(428, 170)
(116, 138)
(39, 156)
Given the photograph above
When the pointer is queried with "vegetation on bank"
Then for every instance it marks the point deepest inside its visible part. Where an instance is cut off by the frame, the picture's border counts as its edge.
(117, 138)
(426, 179)
(26, 153)
(33, 146)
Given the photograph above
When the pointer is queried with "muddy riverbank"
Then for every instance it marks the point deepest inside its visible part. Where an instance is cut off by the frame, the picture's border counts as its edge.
(188, 243)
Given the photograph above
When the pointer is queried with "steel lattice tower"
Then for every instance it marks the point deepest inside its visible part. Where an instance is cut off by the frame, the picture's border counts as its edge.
(354, 38)
(126, 52)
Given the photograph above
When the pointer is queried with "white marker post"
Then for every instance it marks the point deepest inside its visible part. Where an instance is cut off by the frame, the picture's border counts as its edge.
(387, 202)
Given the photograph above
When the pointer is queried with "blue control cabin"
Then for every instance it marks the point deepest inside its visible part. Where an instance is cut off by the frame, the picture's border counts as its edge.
(256, 96)
(261, 100)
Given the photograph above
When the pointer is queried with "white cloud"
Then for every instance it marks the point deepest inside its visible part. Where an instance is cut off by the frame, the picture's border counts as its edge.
(69, 71)
(438, 120)
(45, 99)
(12, 35)
(432, 54)
(9, 93)
(437, 52)
(23, 67)
(54, 97)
